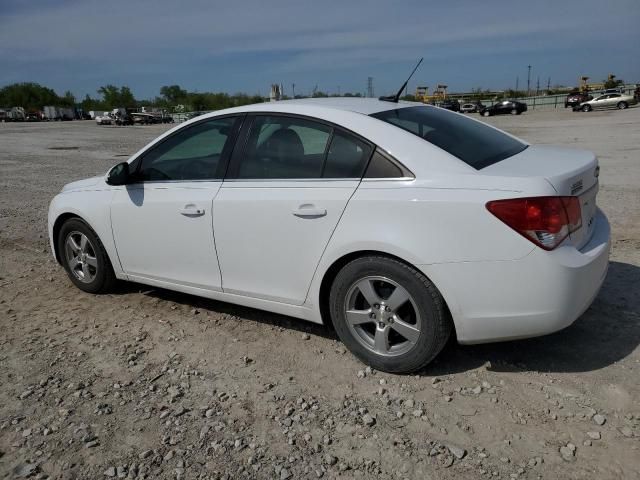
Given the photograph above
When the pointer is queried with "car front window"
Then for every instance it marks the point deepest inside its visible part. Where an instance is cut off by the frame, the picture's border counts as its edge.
(193, 153)
(473, 142)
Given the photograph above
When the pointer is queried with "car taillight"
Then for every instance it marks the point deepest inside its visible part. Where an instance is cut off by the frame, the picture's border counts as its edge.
(546, 221)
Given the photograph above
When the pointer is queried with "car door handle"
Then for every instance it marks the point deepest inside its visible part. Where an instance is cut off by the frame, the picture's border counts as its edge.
(309, 211)
(191, 210)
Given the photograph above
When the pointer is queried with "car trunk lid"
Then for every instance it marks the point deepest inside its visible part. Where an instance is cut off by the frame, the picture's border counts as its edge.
(571, 172)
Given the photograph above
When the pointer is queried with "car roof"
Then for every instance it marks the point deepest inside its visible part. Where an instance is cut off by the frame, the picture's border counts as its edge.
(365, 106)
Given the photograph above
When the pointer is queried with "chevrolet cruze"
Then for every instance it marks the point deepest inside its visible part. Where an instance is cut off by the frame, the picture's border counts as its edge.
(398, 224)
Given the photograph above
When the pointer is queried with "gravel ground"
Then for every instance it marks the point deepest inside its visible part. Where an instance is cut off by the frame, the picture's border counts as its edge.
(146, 383)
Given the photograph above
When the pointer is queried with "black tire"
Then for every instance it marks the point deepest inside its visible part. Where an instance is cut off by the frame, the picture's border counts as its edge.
(105, 278)
(514, 111)
(622, 105)
(586, 108)
(486, 113)
(435, 324)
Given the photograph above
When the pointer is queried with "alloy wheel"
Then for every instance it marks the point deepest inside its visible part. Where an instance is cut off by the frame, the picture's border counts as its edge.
(382, 316)
(81, 257)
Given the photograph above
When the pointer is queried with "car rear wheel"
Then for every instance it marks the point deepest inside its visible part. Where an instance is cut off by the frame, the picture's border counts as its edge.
(388, 314)
(622, 105)
(586, 108)
(486, 114)
(84, 257)
(514, 111)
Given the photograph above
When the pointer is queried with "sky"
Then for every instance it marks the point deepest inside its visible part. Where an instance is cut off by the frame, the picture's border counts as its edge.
(246, 45)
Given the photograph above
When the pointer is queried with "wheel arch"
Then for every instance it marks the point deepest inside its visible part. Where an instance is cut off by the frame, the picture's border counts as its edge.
(57, 225)
(331, 273)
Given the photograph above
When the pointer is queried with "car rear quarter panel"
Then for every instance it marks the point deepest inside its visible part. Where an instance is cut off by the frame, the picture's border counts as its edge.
(429, 222)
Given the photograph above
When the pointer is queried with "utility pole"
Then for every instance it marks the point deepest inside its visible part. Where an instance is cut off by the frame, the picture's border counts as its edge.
(370, 87)
(517, 82)
(293, 90)
(549, 84)
(529, 82)
(538, 86)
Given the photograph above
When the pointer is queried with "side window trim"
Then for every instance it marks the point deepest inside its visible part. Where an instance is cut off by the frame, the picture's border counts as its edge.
(224, 157)
(233, 165)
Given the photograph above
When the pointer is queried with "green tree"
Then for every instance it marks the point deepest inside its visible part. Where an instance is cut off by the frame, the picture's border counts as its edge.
(68, 99)
(29, 95)
(173, 94)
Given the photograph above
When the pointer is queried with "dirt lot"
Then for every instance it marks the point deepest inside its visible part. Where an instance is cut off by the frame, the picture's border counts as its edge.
(146, 383)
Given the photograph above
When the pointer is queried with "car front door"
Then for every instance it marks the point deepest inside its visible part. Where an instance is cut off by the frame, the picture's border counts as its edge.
(601, 101)
(162, 221)
(280, 203)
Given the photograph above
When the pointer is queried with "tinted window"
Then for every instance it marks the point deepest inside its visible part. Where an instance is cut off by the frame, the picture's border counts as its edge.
(475, 143)
(193, 153)
(284, 147)
(382, 167)
(347, 157)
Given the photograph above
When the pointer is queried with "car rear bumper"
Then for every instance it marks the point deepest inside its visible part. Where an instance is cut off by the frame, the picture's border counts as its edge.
(535, 295)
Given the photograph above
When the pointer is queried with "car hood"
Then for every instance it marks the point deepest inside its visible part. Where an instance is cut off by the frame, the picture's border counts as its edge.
(86, 184)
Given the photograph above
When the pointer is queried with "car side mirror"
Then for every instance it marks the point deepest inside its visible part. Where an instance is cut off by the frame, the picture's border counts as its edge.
(119, 174)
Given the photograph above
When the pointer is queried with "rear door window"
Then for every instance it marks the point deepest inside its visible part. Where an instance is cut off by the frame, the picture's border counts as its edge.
(284, 147)
(473, 142)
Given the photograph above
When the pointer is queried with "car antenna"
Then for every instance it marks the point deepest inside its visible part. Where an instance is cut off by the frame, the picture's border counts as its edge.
(396, 97)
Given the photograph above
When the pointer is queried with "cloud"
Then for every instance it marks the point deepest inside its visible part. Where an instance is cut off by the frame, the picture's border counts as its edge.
(298, 36)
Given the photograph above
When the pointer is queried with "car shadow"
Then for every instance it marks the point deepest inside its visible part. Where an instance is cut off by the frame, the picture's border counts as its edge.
(219, 307)
(606, 333)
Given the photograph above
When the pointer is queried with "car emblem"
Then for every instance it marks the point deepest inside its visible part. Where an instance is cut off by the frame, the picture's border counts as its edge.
(576, 187)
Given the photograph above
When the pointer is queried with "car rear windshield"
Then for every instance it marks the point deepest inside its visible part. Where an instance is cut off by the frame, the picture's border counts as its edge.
(475, 143)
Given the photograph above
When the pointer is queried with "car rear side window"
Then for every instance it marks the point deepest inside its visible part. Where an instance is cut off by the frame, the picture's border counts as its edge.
(473, 142)
(347, 157)
(287, 147)
(284, 147)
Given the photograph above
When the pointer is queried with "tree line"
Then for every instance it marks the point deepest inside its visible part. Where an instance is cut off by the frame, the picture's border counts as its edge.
(33, 96)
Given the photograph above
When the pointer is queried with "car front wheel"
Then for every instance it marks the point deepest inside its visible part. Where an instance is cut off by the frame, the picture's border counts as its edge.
(622, 105)
(586, 108)
(84, 257)
(486, 114)
(388, 314)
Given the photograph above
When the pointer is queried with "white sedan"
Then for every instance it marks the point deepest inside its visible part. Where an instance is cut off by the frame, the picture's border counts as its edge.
(398, 224)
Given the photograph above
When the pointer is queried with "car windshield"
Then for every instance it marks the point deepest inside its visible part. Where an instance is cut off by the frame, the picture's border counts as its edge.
(473, 142)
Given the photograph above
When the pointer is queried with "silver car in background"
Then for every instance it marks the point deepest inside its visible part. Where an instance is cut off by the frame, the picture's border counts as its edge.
(608, 100)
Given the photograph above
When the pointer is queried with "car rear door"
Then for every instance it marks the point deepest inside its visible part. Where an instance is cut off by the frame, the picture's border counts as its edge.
(282, 198)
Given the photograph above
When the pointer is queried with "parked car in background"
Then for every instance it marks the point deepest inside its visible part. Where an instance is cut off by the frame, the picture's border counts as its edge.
(471, 107)
(449, 104)
(144, 118)
(609, 100)
(356, 213)
(104, 119)
(503, 107)
(576, 98)
(33, 116)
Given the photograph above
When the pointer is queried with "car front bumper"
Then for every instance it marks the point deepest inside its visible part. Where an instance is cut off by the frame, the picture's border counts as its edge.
(539, 294)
